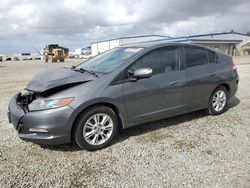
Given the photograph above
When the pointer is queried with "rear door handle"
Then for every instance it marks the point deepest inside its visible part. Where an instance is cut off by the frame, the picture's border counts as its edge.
(212, 75)
(175, 83)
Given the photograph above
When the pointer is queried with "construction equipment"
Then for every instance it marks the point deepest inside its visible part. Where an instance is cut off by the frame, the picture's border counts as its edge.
(54, 53)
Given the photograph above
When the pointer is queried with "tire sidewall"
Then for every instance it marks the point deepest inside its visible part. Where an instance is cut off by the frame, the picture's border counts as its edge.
(211, 109)
(78, 132)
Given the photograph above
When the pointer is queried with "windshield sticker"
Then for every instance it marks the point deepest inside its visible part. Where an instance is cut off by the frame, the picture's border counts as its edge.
(133, 50)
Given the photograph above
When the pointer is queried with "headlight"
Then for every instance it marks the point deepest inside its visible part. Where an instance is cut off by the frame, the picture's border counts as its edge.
(45, 104)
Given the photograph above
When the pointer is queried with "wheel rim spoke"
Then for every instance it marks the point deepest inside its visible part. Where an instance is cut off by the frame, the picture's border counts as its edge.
(89, 134)
(96, 119)
(217, 107)
(215, 96)
(103, 136)
(221, 94)
(89, 125)
(104, 120)
(108, 127)
(95, 139)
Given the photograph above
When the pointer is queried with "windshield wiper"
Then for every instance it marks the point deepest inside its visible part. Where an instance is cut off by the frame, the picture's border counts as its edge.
(82, 70)
(89, 71)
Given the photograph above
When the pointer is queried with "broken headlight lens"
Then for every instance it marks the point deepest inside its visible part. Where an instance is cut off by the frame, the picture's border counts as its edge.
(45, 104)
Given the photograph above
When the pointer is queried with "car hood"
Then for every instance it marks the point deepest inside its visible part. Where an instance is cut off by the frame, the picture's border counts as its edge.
(56, 77)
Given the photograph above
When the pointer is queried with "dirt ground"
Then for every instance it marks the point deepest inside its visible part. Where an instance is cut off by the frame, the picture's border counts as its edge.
(192, 150)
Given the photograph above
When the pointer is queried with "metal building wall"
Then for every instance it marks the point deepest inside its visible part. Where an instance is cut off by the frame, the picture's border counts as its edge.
(102, 46)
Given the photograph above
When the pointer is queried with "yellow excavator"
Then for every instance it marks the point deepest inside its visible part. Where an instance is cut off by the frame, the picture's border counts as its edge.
(54, 53)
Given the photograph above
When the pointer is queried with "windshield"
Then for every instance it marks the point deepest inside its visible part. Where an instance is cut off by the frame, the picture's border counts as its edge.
(108, 61)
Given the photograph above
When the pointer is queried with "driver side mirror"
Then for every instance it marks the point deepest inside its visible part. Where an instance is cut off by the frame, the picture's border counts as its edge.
(143, 73)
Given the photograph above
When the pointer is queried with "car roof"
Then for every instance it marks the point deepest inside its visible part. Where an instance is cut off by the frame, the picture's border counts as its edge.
(155, 44)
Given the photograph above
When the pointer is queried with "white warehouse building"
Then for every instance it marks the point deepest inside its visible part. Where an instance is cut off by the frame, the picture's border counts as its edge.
(232, 43)
(105, 45)
(82, 51)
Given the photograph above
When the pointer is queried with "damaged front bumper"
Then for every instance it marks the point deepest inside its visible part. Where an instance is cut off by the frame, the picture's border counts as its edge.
(42, 127)
(15, 112)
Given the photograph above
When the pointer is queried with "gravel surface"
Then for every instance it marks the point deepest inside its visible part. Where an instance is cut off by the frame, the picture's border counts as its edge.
(192, 150)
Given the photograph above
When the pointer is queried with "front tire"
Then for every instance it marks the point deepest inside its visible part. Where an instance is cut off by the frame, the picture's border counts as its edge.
(96, 128)
(218, 102)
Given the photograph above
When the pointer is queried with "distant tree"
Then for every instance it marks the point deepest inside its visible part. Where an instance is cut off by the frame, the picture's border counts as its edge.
(248, 33)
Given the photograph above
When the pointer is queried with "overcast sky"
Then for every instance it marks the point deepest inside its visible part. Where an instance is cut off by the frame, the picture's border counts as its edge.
(26, 25)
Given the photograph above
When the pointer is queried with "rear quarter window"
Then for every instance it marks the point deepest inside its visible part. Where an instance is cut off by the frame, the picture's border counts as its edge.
(196, 56)
(212, 57)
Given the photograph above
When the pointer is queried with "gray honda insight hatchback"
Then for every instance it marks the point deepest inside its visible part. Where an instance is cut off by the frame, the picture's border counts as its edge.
(120, 88)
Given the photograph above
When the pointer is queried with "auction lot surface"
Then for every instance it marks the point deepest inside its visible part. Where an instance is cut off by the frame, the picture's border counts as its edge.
(192, 150)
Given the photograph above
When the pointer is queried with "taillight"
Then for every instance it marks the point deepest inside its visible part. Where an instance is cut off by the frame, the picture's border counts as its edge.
(233, 65)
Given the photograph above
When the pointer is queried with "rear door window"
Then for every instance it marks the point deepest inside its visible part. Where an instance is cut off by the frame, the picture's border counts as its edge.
(196, 56)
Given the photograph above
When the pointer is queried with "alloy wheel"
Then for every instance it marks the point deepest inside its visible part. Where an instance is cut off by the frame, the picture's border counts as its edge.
(219, 100)
(98, 129)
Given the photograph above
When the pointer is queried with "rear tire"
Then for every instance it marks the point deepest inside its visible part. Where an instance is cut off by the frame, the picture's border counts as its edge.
(218, 102)
(96, 128)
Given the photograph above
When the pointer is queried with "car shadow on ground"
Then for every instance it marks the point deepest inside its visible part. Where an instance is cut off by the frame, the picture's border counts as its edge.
(156, 125)
(145, 128)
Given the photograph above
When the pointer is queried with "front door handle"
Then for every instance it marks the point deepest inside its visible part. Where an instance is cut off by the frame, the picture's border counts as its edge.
(175, 83)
